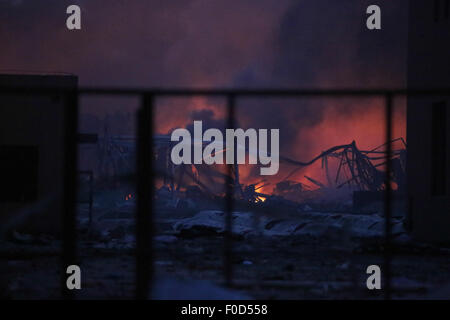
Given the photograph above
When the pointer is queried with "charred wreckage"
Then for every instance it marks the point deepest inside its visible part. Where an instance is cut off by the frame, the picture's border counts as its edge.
(348, 171)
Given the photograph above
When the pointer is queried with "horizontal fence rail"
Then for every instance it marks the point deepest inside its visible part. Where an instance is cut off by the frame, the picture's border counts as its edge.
(261, 92)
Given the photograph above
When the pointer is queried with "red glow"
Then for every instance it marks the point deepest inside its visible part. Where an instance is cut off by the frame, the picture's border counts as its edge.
(128, 197)
(362, 121)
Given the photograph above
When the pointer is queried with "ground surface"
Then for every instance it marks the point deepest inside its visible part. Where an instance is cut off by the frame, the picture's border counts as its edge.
(298, 266)
(275, 268)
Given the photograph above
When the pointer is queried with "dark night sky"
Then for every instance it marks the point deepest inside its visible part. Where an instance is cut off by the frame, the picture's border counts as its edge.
(208, 43)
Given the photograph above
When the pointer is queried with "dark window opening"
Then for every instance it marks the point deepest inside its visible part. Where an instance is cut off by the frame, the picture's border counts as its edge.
(18, 173)
(439, 148)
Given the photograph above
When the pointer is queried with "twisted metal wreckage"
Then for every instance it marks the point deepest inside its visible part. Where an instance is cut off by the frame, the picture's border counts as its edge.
(358, 170)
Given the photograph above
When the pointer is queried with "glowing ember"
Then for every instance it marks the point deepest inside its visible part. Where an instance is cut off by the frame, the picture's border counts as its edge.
(262, 199)
(128, 197)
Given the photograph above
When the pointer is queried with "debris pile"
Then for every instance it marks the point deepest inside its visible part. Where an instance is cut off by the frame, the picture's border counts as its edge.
(312, 224)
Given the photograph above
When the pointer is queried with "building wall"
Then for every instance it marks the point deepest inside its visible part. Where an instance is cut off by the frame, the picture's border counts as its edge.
(428, 67)
(35, 125)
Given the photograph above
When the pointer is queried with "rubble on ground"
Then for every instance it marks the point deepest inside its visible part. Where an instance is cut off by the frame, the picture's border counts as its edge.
(313, 224)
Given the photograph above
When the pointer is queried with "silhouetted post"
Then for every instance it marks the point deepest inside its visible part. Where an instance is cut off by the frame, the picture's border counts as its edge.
(91, 196)
(388, 200)
(144, 173)
(228, 235)
(69, 240)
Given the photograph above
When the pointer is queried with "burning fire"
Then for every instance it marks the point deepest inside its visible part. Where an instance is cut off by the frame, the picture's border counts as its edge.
(262, 190)
(128, 197)
(360, 120)
(262, 199)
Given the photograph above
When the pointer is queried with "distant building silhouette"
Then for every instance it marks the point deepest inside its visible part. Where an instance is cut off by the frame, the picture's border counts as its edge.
(32, 153)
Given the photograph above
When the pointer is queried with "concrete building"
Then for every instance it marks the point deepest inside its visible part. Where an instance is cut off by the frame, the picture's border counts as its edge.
(32, 154)
(428, 122)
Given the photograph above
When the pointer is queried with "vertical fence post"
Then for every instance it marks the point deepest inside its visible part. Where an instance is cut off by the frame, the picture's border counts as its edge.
(228, 240)
(69, 241)
(388, 199)
(144, 173)
(91, 196)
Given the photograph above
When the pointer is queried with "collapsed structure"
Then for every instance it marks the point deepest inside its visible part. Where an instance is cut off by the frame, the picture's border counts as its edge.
(354, 170)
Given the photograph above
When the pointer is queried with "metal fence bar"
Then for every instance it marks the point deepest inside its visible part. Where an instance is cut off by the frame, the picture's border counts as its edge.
(228, 234)
(90, 201)
(69, 235)
(91, 197)
(388, 200)
(144, 173)
(269, 92)
(262, 92)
